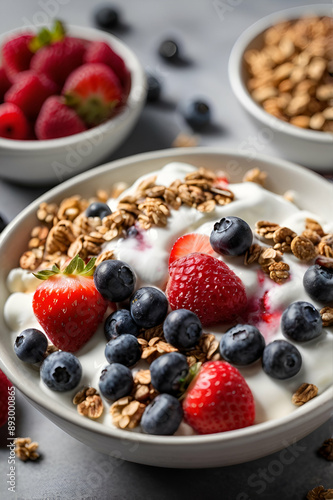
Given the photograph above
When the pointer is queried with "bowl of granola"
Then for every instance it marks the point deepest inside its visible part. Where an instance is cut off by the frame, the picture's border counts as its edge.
(280, 71)
(158, 407)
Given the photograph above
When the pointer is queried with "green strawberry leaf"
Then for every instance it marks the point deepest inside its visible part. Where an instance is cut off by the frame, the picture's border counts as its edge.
(186, 381)
(46, 36)
(76, 267)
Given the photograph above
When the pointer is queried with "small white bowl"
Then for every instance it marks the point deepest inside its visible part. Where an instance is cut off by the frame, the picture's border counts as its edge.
(309, 148)
(53, 161)
(313, 193)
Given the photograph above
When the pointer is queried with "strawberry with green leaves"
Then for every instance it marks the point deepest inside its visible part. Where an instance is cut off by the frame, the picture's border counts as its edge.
(67, 304)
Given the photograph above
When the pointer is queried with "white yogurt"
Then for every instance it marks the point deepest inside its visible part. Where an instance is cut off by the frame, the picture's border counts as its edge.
(149, 257)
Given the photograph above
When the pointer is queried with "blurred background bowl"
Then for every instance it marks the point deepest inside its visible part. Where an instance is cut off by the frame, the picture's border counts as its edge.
(52, 161)
(313, 149)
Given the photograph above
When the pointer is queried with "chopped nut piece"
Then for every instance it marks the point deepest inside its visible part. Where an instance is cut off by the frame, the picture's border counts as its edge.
(303, 248)
(50, 349)
(279, 272)
(30, 261)
(314, 226)
(325, 246)
(268, 257)
(304, 393)
(25, 449)
(312, 236)
(92, 407)
(283, 237)
(255, 175)
(326, 449)
(327, 316)
(126, 412)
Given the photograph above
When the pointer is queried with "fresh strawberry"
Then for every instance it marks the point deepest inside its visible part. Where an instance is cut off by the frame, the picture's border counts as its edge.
(16, 54)
(13, 123)
(57, 120)
(29, 91)
(68, 305)
(101, 52)
(218, 400)
(207, 287)
(4, 83)
(58, 60)
(93, 90)
(190, 243)
(5, 386)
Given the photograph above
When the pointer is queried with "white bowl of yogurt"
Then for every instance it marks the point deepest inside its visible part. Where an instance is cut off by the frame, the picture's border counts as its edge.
(278, 424)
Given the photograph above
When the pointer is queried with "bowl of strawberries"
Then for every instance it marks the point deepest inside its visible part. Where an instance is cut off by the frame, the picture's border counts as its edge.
(69, 96)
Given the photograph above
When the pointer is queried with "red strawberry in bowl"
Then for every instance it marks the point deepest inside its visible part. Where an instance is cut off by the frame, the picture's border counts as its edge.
(218, 399)
(207, 287)
(29, 91)
(94, 91)
(13, 123)
(4, 83)
(16, 54)
(67, 304)
(101, 52)
(57, 120)
(58, 60)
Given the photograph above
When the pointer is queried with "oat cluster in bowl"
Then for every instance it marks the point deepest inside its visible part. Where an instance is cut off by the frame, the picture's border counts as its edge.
(291, 75)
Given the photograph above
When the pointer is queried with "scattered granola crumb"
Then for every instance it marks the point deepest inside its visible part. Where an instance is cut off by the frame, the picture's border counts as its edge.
(326, 449)
(127, 412)
(320, 493)
(266, 229)
(25, 449)
(252, 254)
(304, 393)
(50, 349)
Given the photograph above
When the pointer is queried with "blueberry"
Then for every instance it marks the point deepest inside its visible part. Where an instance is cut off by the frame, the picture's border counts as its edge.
(3, 223)
(168, 372)
(61, 371)
(301, 322)
(106, 17)
(318, 283)
(242, 345)
(125, 350)
(30, 346)
(182, 328)
(154, 88)
(132, 232)
(115, 280)
(281, 359)
(197, 113)
(231, 236)
(169, 50)
(116, 381)
(98, 209)
(162, 416)
(148, 307)
(118, 323)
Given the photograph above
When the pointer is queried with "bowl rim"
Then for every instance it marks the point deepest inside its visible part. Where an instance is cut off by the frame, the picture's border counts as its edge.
(135, 97)
(316, 407)
(239, 87)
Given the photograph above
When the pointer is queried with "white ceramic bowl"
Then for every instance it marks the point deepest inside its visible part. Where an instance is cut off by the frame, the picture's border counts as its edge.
(309, 148)
(174, 451)
(53, 161)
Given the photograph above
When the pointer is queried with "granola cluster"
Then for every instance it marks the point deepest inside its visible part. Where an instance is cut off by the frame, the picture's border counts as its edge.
(66, 231)
(312, 243)
(291, 75)
(25, 449)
